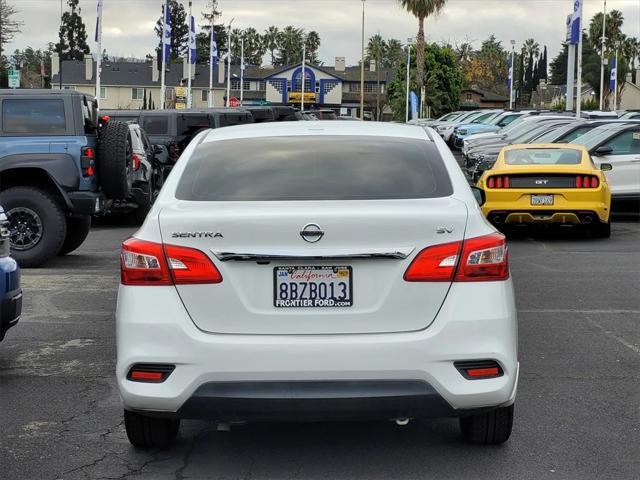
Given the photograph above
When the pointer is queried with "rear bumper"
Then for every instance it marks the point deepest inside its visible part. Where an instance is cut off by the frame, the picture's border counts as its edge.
(86, 203)
(11, 297)
(477, 321)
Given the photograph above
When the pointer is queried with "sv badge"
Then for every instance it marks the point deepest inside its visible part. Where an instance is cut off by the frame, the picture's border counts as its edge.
(441, 230)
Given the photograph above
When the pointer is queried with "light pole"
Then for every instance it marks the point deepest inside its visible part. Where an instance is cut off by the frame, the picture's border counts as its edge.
(189, 59)
(241, 70)
(409, 43)
(604, 23)
(303, 74)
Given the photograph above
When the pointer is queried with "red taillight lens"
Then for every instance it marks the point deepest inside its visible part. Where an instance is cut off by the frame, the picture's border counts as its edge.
(148, 376)
(505, 181)
(595, 182)
(143, 263)
(499, 182)
(149, 263)
(89, 152)
(136, 160)
(434, 264)
(491, 182)
(587, 181)
(484, 259)
(579, 182)
(150, 373)
(474, 260)
(190, 266)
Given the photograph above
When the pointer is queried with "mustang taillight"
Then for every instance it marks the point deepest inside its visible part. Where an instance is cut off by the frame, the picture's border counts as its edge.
(587, 181)
(499, 181)
(87, 161)
(473, 260)
(150, 263)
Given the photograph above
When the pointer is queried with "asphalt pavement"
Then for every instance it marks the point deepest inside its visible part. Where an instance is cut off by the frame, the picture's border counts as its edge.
(577, 414)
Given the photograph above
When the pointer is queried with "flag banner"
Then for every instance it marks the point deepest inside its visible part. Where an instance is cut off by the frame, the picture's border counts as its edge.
(214, 48)
(614, 73)
(166, 36)
(98, 20)
(510, 75)
(576, 22)
(192, 40)
(414, 105)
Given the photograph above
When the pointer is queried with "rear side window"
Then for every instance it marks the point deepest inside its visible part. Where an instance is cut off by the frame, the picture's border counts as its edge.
(156, 125)
(314, 168)
(191, 124)
(34, 116)
(575, 134)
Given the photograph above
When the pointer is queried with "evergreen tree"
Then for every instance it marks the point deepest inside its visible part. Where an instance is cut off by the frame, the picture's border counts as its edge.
(72, 34)
(536, 75)
(8, 26)
(542, 66)
(179, 31)
(144, 100)
(528, 81)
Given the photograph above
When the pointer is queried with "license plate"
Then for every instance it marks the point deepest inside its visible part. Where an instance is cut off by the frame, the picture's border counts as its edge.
(312, 286)
(541, 199)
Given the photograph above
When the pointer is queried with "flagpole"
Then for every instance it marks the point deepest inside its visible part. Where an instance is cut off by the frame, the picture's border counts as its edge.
(304, 60)
(241, 70)
(211, 65)
(164, 57)
(615, 85)
(579, 72)
(189, 55)
(409, 42)
(362, 69)
(229, 41)
(99, 59)
(604, 22)
(511, 70)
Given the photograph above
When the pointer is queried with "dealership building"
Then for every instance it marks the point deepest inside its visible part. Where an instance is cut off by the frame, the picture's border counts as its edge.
(126, 84)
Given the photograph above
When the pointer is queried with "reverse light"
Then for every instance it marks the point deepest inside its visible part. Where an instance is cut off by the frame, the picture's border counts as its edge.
(473, 260)
(154, 264)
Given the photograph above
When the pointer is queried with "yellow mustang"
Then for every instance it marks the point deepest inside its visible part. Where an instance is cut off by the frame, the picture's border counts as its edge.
(547, 183)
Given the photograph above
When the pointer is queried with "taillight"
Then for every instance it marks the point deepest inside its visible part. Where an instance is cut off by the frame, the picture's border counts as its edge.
(150, 263)
(434, 264)
(484, 259)
(499, 181)
(587, 181)
(150, 372)
(473, 260)
(136, 160)
(479, 369)
(87, 161)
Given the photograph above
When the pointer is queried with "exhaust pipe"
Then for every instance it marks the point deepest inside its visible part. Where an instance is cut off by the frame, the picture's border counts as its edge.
(587, 219)
(402, 421)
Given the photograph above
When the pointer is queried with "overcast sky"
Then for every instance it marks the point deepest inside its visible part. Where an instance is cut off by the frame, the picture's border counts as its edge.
(128, 24)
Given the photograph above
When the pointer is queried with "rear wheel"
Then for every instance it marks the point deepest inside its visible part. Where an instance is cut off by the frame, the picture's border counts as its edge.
(150, 432)
(601, 230)
(491, 428)
(77, 231)
(37, 224)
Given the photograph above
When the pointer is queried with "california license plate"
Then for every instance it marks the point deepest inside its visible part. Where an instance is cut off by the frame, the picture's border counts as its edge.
(541, 199)
(313, 286)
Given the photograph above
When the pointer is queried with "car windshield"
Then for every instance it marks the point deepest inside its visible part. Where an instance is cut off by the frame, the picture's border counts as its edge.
(273, 169)
(543, 156)
(484, 118)
(596, 136)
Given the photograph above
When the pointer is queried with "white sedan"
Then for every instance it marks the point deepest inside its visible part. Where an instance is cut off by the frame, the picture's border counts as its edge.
(307, 271)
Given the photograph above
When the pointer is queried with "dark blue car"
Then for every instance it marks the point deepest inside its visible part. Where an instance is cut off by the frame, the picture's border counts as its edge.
(10, 290)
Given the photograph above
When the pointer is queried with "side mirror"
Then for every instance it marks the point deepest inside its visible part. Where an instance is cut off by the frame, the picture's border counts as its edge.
(158, 149)
(603, 151)
(606, 167)
(478, 193)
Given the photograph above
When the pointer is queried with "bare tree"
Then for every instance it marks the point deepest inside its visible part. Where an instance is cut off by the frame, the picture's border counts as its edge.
(8, 26)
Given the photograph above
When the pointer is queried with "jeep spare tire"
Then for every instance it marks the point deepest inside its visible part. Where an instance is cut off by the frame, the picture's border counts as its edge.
(114, 166)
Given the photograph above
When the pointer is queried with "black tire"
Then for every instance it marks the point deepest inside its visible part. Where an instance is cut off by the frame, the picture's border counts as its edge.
(150, 432)
(37, 223)
(114, 167)
(601, 230)
(77, 231)
(491, 428)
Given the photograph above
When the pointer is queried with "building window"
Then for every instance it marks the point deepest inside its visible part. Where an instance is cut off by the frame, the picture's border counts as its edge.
(137, 93)
(277, 84)
(307, 85)
(235, 84)
(368, 88)
(329, 85)
(103, 93)
(205, 96)
(168, 93)
(68, 87)
(469, 97)
(261, 86)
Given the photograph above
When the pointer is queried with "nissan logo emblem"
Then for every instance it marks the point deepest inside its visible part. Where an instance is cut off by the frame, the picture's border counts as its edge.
(312, 233)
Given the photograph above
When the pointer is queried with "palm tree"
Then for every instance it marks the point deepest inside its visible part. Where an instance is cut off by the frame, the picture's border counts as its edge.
(270, 41)
(289, 46)
(421, 9)
(395, 53)
(376, 50)
(312, 43)
(531, 47)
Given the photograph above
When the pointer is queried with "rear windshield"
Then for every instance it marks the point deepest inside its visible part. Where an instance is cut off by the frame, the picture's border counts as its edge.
(156, 125)
(314, 168)
(543, 156)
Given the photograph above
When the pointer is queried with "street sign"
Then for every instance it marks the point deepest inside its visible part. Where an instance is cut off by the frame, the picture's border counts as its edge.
(14, 78)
